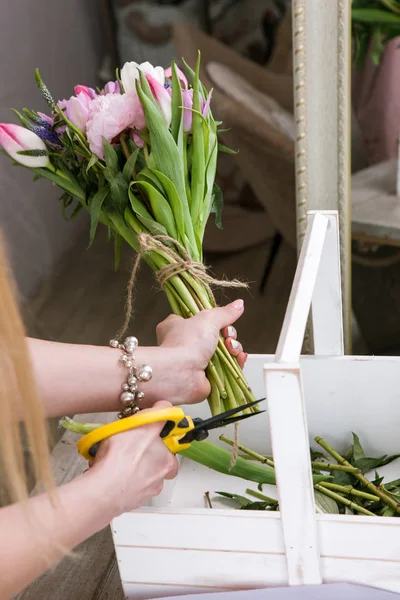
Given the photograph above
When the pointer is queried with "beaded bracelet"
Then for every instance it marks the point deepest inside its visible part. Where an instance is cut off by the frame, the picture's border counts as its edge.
(130, 390)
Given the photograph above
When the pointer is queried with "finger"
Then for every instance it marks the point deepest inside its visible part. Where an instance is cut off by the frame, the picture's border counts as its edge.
(223, 316)
(241, 358)
(234, 347)
(173, 472)
(159, 405)
(229, 332)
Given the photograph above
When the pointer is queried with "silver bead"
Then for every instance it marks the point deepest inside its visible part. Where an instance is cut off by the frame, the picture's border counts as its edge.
(131, 343)
(123, 358)
(133, 388)
(127, 398)
(129, 364)
(139, 396)
(144, 373)
(132, 381)
(114, 343)
(125, 387)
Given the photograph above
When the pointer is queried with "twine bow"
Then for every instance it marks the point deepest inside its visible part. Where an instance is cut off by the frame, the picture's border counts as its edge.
(179, 262)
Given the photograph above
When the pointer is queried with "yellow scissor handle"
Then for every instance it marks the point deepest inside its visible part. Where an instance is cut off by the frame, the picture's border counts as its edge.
(177, 426)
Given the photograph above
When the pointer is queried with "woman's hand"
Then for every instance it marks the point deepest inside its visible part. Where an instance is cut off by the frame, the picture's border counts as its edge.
(76, 379)
(131, 467)
(185, 349)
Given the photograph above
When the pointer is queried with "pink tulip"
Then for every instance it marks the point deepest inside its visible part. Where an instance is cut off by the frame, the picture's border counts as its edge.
(162, 97)
(181, 76)
(137, 139)
(77, 110)
(14, 139)
(109, 116)
(112, 87)
(187, 103)
(83, 89)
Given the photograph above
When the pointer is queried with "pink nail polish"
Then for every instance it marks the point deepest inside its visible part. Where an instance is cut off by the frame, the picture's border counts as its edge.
(238, 304)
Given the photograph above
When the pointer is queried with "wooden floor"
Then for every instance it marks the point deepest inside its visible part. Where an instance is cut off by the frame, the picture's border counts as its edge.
(84, 303)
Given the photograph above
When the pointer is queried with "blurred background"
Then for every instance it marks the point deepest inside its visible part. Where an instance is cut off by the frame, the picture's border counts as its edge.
(70, 294)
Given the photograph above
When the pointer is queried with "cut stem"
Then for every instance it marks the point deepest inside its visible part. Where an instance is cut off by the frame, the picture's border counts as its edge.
(344, 501)
(259, 457)
(348, 489)
(368, 484)
(261, 496)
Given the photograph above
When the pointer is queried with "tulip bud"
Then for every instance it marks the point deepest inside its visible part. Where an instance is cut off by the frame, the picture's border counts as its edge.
(15, 139)
(162, 97)
(83, 89)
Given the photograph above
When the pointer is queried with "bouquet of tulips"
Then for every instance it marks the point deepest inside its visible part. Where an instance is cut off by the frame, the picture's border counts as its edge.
(140, 156)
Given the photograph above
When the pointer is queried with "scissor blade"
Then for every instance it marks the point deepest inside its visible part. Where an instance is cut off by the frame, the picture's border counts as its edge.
(226, 422)
(209, 423)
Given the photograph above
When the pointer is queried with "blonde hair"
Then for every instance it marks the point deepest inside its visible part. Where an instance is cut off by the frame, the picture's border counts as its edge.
(21, 410)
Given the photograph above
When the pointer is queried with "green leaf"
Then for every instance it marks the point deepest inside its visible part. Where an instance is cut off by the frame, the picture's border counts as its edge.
(45, 92)
(175, 203)
(342, 478)
(217, 458)
(130, 166)
(165, 152)
(325, 504)
(93, 160)
(118, 188)
(374, 15)
(161, 209)
(24, 122)
(260, 505)
(191, 75)
(388, 512)
(148, 175)
(358, 452)
(95, 205)
(241, 500)
(34, 152)
(217, 204)
(368, 464)
(144, 216)
(62, 182)
(392, 485)
(177, 110)
(227, 150)
(198, 158)
(110, 155)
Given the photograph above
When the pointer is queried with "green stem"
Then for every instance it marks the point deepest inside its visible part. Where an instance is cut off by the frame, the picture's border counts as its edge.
(368, 484)
(259, 457)
(348, 489)
(344, 501)
(332, 467)
(261, 496)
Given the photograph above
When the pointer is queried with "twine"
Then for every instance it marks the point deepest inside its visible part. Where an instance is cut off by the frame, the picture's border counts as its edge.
(180, 262)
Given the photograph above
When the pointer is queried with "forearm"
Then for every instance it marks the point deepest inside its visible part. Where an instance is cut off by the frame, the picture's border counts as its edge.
(37, 534)
(73, 378)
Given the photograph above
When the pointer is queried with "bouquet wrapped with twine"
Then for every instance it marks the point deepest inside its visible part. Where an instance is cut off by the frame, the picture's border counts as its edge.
(140, 156)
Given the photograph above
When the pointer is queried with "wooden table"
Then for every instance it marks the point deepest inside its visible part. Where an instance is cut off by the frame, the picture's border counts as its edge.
(375, 206)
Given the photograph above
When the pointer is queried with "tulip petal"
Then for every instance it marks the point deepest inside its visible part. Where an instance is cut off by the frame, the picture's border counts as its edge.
(14, 139)
(181, 76)
(162, 97)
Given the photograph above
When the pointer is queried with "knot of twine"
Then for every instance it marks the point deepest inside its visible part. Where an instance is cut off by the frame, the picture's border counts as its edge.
(179, 262)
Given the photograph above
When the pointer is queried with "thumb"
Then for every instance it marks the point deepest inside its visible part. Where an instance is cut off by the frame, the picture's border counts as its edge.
(226, 315)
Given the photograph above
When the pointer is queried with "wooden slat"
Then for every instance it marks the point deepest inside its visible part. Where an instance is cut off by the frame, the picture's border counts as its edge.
(294, 325)
(327, 314)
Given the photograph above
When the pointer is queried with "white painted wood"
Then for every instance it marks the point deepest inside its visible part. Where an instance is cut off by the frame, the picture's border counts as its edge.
(322, 60)
(291, 452)
(294, 325)
(327, 315)
(179, 546)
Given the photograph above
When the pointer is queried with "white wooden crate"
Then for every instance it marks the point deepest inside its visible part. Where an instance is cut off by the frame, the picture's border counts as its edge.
(179, 546)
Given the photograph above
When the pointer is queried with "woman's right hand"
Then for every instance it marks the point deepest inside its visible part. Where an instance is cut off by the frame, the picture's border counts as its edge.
(131, 467)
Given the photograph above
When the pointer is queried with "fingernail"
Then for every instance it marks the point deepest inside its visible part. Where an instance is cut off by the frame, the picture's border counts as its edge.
(235, 344)
(231, 331)
(238, 304)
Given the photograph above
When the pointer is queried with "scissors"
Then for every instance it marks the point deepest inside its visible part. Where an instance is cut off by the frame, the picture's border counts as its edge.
(178, 433)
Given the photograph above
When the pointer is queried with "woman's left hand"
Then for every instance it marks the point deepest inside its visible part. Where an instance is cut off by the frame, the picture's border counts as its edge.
(185, 349)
